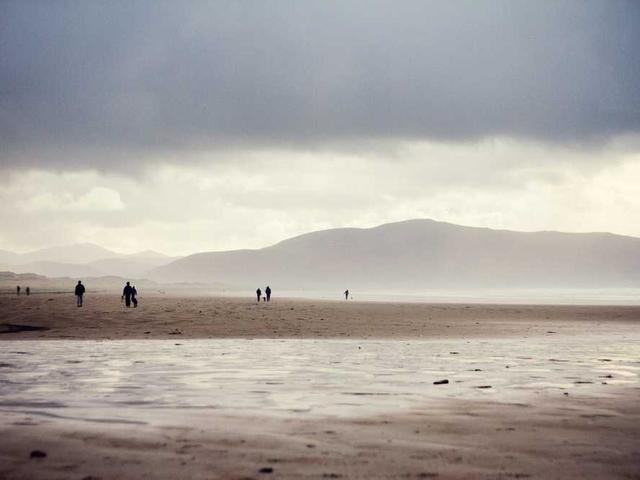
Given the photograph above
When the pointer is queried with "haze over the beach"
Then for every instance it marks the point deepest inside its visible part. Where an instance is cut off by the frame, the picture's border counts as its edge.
(224, 125)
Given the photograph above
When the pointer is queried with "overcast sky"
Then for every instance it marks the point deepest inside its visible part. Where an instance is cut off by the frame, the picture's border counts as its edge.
(190, 126)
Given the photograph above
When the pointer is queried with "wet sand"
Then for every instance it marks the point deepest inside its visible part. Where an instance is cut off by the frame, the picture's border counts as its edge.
(348, 396)
(583, 439)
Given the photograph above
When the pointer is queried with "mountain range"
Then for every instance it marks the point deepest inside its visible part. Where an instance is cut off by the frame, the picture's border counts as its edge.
(400, 257)
(418, 254)
(82, 260)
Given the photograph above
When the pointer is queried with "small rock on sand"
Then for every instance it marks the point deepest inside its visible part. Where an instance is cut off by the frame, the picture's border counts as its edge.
(37, 454)
(441, 382)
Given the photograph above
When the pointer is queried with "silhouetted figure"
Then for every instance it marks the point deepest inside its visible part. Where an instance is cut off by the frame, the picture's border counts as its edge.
(28, 291)
(79, 293)
(346, 294)
(267, 292)
(18, 290)
(258, 294)
(134, 294)
(126, 294)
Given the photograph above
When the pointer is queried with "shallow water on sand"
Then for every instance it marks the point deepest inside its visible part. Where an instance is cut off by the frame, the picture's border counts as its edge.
(149, 381)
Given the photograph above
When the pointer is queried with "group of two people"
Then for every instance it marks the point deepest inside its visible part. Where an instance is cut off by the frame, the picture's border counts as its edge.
(129, 294)
(27, 291)
(267, 294)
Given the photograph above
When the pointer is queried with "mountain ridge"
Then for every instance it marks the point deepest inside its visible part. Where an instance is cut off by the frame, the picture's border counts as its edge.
(411, 255)
(82, 260)
(421, 253)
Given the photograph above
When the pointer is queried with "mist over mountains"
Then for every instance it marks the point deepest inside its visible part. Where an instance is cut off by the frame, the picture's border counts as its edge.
(397, 257)
(82, 260)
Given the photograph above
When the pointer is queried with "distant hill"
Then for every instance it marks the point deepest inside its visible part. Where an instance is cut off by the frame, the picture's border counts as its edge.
(129, 266)
(73, 254)
(41, 284)
(14, 278)
(419, 254)
(82, 260)
(150, 256)
(55, 269)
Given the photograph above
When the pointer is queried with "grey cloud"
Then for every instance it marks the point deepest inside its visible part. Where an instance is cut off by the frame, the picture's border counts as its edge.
(97, 83)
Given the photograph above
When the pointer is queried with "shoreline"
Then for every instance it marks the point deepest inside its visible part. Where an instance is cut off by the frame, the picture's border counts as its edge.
(579, 298)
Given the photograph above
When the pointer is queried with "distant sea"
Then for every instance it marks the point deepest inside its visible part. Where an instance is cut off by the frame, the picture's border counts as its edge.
(617, 296)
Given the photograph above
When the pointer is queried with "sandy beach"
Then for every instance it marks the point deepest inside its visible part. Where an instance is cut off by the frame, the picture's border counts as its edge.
(104, 316)
(228, 388)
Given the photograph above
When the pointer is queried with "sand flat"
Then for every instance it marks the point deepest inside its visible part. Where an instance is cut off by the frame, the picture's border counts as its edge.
(591, 439)
(308, 389)
(105, 317)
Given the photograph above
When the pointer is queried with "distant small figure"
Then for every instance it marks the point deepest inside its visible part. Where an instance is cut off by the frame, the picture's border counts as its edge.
(267, 292)
(346, 294)
(18, 290)
(258, 294)
(126, 294)
(27, 291)
(134, 294)
(79, 293)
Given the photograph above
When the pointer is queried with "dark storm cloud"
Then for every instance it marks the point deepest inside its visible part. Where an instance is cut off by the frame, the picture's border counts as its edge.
(93, 82)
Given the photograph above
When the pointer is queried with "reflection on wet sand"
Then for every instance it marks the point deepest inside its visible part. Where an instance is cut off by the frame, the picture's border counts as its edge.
(540, 407)
(95, 380)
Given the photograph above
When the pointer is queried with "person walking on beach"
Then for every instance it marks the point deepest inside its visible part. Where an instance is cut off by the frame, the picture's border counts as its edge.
(18, 290)
(346, 294)
(267, 292)
(134, 293)
(258, 294)
(28, 291)
(126, 294)
(79, 293)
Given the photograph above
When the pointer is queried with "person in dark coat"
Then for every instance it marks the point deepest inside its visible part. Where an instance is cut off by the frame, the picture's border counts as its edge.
(28, 291)
(267, 292)
(134, 294)
(18, 290)
(346, 294)
(258, 294)
(126, 294)
(79, 293)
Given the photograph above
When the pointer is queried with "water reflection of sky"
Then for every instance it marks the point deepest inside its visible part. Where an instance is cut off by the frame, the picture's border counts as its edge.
(131, 380)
